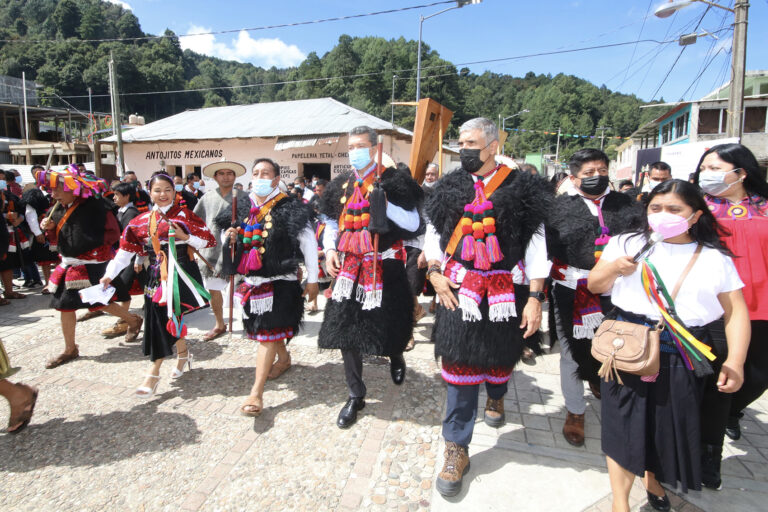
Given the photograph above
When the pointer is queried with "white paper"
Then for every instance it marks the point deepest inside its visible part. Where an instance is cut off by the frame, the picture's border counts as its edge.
(97, 294)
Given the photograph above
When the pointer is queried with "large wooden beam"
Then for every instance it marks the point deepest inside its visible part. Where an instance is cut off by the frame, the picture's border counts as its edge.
(432, 121)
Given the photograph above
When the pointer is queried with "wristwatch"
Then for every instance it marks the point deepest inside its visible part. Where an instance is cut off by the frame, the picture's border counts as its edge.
(539, 296)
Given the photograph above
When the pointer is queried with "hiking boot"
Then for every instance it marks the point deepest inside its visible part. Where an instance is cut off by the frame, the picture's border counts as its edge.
(494, 412)
(573, 430)
(456, 466)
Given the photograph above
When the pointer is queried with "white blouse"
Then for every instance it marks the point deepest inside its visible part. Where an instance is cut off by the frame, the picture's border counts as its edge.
(696, 302)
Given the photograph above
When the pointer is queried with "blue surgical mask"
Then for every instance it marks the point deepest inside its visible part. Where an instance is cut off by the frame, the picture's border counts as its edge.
(19, 180)
(262, 187)
(178, 187)
(360, 158)
(3, 185)
(196, 185)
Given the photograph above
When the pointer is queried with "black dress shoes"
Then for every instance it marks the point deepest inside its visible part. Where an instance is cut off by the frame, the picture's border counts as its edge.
(732, 428)
(659, 503)
(397, 369)
(348, 413)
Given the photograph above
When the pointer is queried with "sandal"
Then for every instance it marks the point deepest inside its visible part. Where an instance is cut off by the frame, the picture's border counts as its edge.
(14, 295)
(19, 422)
(145, 391)
(214, 333)
(279, 368)
(176, 372)
(46, 291)
(62, 358)
(252, 407)
(134, 326)
(4, 302)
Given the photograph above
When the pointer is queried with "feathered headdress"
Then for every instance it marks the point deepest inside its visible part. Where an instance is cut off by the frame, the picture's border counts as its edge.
(72, 180)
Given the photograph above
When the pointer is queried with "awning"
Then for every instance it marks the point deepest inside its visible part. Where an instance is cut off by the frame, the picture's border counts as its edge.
(303, 141)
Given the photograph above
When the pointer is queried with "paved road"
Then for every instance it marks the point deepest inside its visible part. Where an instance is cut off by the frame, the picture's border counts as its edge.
(93, 446)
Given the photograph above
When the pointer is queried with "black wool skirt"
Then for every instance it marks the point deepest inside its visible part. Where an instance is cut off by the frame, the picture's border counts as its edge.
(158, 342)
(655, 426)
(283, 321)
(70, 280)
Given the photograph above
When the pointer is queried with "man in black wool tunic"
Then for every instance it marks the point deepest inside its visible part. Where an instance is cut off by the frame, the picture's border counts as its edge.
(371, 306)
(580, 224)
(484, 219)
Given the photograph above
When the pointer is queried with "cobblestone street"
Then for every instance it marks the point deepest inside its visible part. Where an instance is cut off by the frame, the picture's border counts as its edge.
(93, 446)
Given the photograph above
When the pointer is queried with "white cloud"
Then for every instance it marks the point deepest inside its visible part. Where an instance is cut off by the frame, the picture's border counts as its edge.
(124, 5)
(261, 52)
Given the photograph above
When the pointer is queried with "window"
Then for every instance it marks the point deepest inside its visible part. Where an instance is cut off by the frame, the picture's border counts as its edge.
(754, 120)
(681, 125)
(710, 121)
(666, 133)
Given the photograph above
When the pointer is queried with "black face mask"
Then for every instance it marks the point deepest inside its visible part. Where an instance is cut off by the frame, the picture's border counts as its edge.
(594, 185)
(470, 159)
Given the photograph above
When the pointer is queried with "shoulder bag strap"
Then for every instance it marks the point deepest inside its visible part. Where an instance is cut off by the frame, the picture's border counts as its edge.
(686, 271)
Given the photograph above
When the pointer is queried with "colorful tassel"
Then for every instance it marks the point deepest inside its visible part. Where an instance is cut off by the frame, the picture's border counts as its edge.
(366, 245)
(242, 267)
(494, 251)
(481, 256)
(254, 260)
(468, 248)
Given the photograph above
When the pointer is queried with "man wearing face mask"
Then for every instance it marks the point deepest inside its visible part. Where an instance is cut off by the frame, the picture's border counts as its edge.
(371, 306)
(483, 219)
(272, 238)
(193, 189)
(14, 209)
(580, 224)
(216, 211)
(659, 173)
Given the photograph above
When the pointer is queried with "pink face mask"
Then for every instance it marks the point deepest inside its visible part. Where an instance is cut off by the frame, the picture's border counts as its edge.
(668, 224)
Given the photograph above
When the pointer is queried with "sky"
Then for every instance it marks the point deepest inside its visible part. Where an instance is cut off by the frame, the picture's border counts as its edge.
(500, 36)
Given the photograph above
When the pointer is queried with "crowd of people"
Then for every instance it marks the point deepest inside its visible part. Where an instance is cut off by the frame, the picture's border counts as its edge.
(682, 261)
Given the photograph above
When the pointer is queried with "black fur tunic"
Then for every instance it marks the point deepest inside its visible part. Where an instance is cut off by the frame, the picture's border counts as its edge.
(521, 204)
(385, 330)
(91, 225)
(571, 233)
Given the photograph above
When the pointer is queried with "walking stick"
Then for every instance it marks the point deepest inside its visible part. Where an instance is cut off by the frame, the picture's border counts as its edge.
(378, 204)
(232, 245)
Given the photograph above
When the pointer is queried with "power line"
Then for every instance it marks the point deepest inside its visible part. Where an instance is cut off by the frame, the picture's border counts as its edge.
(634, 49)
(229, 31)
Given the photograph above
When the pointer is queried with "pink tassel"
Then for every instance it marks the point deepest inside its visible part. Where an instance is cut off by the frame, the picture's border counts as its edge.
(365, 242)
(481, 256)
(354, 243)
(254, 260)
(242, 267)
(344, 241)
(468, 248)
(158, 295)
(494, 251)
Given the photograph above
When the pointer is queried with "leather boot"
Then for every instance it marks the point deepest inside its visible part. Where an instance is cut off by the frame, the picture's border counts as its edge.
(494, 412)
(456, 466)
(573, 430)
(711, 456)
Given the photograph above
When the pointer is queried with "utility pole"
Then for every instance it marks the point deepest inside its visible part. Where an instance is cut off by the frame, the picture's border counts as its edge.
(557, 150)
(26, 117)
(116, 121)
(394, 77)
(602, 135)
(739, 51)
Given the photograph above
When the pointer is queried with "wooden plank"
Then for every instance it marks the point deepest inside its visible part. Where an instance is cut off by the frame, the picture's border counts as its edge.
(432, 120)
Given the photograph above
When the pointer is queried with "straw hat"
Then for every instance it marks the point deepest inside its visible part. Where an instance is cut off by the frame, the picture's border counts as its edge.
(210, 169)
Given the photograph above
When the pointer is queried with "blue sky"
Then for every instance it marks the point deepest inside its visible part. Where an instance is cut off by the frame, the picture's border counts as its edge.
(494, 29)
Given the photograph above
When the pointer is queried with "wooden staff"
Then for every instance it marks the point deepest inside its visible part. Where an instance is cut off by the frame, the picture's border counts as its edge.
(232, 245)
(380, 149)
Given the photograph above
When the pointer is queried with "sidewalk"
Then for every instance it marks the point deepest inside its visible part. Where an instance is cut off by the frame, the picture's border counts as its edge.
(93, 446)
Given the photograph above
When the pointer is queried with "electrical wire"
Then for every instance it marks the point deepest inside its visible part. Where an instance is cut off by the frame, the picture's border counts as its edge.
(229, 31)
(634, 49)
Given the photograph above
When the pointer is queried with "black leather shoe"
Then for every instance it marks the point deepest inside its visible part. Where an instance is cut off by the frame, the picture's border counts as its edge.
(659, 503)
(348, 413)
(732, 428)
(711, 455)
(397, 369)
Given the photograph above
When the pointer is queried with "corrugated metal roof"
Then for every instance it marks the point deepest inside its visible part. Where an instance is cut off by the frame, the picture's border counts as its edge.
(319, 116)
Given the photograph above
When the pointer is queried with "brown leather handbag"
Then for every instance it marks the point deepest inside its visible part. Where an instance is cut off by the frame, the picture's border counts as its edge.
(630, 347)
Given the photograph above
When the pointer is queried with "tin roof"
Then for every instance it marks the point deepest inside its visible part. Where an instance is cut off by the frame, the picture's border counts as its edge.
(299, 118)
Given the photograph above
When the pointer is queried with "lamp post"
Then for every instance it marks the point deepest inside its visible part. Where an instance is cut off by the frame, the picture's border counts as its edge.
(459, 4)
(503, 121)
(738, 51)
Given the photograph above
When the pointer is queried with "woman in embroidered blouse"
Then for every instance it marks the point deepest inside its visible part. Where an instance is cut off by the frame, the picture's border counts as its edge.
(736, 192)
(650, 425)
(173, 288)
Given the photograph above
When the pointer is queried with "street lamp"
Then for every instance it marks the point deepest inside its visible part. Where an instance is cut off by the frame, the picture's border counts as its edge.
(459, 4)
(503, 121)
(738, 51)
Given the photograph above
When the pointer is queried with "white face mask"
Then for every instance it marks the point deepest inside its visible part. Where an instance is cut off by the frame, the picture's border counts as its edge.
(713, 182)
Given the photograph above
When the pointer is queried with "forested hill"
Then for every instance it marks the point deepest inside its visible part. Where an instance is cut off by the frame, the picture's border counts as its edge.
(46, 40)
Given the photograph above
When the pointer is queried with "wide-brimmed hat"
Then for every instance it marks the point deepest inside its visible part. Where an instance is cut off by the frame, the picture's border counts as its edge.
(210, 169)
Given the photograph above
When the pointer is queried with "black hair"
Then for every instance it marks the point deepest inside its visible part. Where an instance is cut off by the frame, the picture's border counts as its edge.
(271, 162)
(741, 158)
(585, 155)
(191, 176)
(129, 172)
(662, 166)
(529, 168)
(160, 175)
(707, 231)
(624, 183)
(9, 176)
(557, 178)
(126, 189)
(365, 130)
(321, 182)
(36, 166)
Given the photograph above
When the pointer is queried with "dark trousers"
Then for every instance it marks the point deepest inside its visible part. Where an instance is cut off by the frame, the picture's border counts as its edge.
(717, 406)
(353, 372)
(461, 410)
